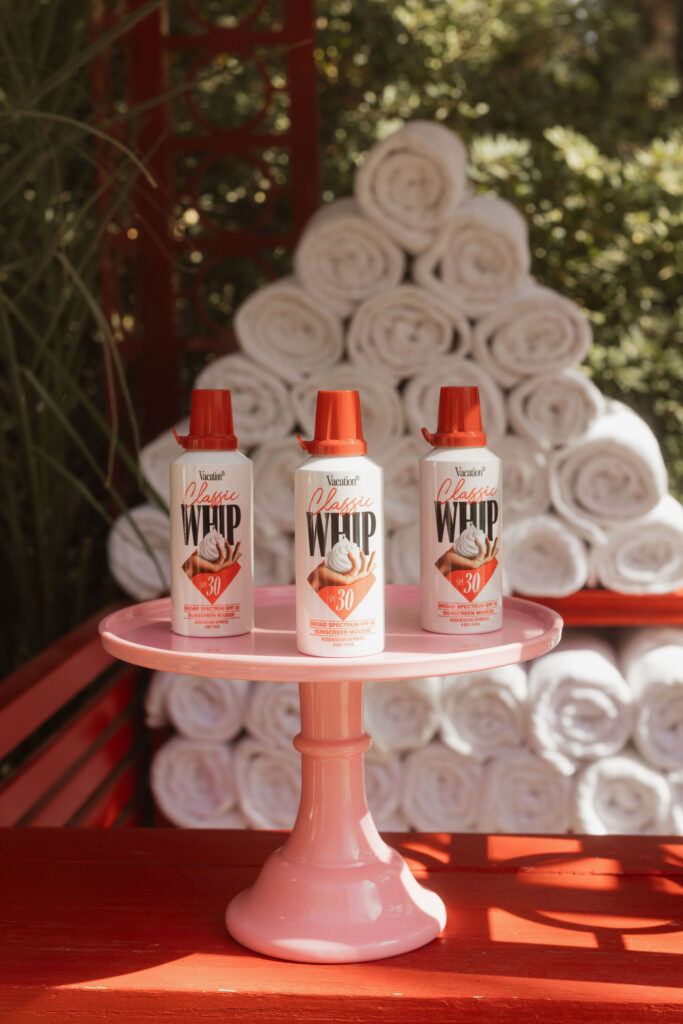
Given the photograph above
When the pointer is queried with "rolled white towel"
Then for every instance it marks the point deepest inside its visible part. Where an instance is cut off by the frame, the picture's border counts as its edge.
(396, 822)
(138, 552)
(403, 556)
(273, 713)
(524, 793)
(652, 663)
(268, 783)
(480, 257)
(441, 789)
(206, 708)
(401, 465)
(484, 713)
(613, 475)
(532, 333)
(274, 560)
(234, 819)
(556, 408)
(402, 330)
(261, 404)
(412, 181)
(342, 258)
(381, 409)
(287, 331)
(421, 396)
(644, 556)
(274, 465)
(193, 783)
(383, 785)
(543, 557)
(401, 714)
(621, 795)
(525, 477)
(676, 787)
(580, 706)
(155, 459)
(156, 700)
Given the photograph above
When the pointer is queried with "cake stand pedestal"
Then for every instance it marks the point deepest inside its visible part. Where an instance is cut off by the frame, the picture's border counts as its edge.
(334, 892)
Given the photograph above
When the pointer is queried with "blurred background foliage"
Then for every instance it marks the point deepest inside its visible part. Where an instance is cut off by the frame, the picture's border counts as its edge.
(571, 109)
(66, 469)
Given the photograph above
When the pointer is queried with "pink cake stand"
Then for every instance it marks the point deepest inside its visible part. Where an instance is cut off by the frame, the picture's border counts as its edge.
(334, 892)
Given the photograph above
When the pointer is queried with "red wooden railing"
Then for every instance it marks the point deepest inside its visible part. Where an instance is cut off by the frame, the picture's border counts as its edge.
(73, 748)
(232, 154)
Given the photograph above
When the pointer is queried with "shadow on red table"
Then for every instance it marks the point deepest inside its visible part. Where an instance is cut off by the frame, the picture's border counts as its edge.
(533, 921)
(586, 908)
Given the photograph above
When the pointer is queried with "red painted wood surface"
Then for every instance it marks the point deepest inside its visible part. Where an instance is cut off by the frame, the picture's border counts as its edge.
(128, 926)
(608, 608)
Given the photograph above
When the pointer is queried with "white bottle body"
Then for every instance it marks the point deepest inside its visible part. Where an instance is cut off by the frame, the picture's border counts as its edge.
(460, 504)
(211, 512)
(338, 516)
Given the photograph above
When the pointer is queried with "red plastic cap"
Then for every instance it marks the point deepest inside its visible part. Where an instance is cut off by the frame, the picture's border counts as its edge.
(211, 426)
(459, 424)
(338, 425)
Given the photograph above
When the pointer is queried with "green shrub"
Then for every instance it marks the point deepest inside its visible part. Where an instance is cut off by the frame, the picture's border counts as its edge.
(569, 111)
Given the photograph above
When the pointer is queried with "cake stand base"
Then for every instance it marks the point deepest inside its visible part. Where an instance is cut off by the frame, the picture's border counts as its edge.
(335, 915)
(335, 892)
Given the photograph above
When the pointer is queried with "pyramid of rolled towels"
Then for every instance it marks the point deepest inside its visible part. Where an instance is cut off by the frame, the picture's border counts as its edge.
(413, 281)
(588, 738)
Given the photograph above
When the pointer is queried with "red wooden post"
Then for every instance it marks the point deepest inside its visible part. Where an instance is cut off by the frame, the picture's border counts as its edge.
(159, 366)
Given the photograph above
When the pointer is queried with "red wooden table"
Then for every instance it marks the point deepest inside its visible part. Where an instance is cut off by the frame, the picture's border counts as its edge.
(103, 925)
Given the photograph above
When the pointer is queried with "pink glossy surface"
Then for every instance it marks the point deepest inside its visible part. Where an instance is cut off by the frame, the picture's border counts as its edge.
(334, 892)
(142, 635)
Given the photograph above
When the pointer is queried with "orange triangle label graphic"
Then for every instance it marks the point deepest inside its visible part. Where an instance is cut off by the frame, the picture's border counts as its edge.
(471, 582)
(212, 584)
(343, 600)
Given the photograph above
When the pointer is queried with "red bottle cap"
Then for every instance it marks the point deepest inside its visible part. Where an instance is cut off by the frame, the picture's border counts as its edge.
(211, 426)
(338, 425)
(459, 423)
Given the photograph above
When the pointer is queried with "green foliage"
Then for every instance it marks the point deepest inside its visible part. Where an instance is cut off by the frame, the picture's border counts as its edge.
(567, 113)
(59, 362)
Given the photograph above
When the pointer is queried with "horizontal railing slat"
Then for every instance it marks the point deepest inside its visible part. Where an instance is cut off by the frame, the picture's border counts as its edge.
(32, 694)
(115, 795)
(68, 795)
(60, 752)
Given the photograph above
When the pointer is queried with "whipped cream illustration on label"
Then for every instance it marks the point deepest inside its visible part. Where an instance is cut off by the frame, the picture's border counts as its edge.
(344, 557)
(214, 563)
(471, 561)
(345, 575)
(213, 547)
(471, 542)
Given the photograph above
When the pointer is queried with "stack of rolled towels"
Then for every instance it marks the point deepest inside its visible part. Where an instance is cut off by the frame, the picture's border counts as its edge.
(586, 739)
(412, 282)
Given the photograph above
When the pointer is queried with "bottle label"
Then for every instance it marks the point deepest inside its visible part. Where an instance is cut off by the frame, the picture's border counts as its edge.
(460, 545)
(211, 549)
(339, 554)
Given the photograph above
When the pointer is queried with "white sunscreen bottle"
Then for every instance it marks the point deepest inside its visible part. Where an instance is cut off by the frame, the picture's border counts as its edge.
(212, 556)
(460, 521)
(339, 536)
